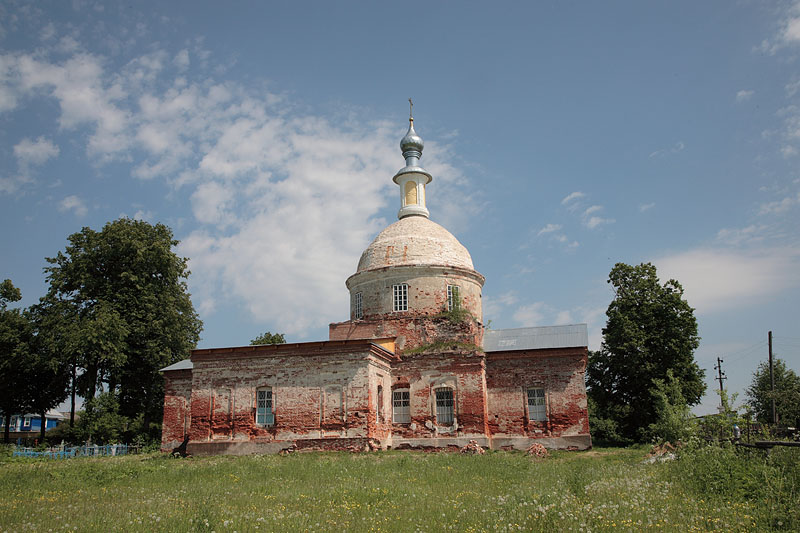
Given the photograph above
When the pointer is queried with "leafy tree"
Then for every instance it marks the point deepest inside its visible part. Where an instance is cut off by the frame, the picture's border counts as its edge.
(15, 332)
(650, 331)
(8, 293)
(122, 296)
(269, 338)
(47, 370)
(673, 421)
(787, 394)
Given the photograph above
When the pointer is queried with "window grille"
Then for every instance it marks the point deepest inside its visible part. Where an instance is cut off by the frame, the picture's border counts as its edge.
(400, 297)
(264, 413)
(536, 404)
(357, 309)
(444, 406)
(453, 297)
(401, 406)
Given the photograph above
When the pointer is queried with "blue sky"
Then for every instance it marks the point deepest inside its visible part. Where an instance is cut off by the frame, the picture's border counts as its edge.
(562, 137)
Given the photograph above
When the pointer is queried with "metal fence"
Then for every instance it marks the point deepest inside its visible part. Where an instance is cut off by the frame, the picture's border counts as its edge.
(67, 452)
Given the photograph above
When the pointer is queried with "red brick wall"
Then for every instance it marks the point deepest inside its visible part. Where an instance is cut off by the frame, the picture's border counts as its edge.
(461, 371)
(559, 371)
(177, 396)
(318, 390)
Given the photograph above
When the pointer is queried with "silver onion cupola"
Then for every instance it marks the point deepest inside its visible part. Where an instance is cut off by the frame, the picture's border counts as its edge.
(412, 178)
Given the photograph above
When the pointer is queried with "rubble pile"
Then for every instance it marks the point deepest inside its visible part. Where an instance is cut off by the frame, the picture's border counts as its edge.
(537, 450)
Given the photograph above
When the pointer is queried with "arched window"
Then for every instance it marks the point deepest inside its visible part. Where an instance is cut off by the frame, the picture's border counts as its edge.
(265, 416)
(411, 193)
(380, 403)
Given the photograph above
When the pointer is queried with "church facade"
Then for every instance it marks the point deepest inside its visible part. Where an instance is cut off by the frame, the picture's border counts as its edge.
(413, 367)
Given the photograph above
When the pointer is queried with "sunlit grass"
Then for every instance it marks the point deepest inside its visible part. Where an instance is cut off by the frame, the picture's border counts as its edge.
(601, 490)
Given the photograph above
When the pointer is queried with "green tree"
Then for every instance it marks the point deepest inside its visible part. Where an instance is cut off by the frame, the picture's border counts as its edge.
(124, 294)
(15, 332)
(650, 331)
(269, 338)
(787, 394)
(673, 421)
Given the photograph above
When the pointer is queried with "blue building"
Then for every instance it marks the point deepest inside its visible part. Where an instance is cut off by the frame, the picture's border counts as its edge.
(33, 423)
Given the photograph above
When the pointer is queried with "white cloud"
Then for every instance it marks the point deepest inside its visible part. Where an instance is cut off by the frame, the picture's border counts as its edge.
(48, 32)
(287, 201)
(792, 88)
(36, 152)
(744, 95)
(722, 279)
(779, 206)
(674, 149)
(74, 204)
(646, 207)
(143, 215)
(11, 184)
(532, 314)
(754, 233)
(181, 59)
(594, 222)
(549, 228)
(788, 32)
(571, 197)
(494, 305)
(563, 317)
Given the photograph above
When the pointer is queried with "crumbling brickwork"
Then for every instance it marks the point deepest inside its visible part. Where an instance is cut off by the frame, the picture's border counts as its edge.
(560, 372)
(411, 331)
(338, 395)
(177, 399)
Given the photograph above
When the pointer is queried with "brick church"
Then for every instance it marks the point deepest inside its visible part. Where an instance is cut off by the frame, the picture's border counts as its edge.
(413, 367)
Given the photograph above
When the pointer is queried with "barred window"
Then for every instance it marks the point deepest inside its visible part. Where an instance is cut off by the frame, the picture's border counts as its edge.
(401, 403)
(357, 309)
(453, 297)
(265, 416)
(400, 293)
(444, 406)
(536, 404)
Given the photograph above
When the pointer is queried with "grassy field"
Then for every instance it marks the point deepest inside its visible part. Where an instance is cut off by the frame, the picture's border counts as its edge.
(599, 490)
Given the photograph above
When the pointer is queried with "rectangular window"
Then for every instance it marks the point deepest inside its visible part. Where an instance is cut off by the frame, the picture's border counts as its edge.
(536, 404)
(357, 309)
(401, 402)
(400, 297)
(453, 297)
(26, 422)
(444, 406)
(264, 413)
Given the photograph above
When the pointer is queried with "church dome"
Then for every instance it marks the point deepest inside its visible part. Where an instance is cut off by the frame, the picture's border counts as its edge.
(415, 241)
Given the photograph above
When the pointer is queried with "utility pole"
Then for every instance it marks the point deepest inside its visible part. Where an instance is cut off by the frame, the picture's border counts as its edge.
(772, 380)
(721, 377)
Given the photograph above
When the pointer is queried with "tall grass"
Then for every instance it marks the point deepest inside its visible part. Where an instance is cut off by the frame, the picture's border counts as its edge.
(601, 490)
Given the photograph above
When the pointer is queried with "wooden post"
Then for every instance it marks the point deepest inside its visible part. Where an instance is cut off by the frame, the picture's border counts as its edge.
(772, 381)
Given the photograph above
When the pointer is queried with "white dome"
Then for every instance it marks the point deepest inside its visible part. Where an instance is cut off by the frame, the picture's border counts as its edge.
(415, 240)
